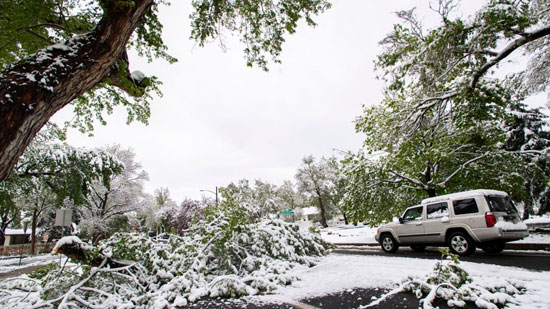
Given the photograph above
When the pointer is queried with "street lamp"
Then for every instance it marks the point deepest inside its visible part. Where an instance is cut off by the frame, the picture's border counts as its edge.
(215, 193)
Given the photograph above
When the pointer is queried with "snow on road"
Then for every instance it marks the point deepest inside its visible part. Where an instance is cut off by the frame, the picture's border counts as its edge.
(339, 272)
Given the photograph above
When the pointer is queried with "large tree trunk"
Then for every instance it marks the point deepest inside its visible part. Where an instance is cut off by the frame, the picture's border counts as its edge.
(34, 89)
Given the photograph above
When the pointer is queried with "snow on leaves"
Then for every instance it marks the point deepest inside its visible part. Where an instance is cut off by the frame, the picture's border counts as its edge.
(216, 260)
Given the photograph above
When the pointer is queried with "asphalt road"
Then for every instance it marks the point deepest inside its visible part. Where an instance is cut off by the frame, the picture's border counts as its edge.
(539, 261)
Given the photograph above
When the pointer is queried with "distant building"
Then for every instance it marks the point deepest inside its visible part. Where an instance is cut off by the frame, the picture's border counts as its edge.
(16, 237)
(309, 213)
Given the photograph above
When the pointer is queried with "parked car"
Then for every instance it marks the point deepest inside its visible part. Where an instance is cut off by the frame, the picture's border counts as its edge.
(463, 221)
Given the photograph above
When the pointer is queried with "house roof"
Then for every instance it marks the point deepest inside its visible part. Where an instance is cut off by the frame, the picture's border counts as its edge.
(310, 210)
(11, 232)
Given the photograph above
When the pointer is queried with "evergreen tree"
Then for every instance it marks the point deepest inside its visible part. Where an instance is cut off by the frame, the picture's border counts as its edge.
(528, 132)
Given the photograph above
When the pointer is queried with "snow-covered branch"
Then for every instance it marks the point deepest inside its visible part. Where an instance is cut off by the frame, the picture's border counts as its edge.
(506, 51)
(411, 180)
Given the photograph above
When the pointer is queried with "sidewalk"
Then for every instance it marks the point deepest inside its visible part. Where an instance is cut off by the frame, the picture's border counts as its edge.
(18, 272)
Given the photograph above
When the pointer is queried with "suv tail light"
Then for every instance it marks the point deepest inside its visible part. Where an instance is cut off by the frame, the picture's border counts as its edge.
(490, 219)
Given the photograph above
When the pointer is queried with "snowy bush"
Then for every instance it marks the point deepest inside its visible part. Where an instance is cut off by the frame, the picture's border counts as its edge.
(222, 256)
(450, 282)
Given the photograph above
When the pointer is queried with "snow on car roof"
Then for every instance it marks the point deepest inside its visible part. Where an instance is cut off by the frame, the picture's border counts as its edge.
(464, 194)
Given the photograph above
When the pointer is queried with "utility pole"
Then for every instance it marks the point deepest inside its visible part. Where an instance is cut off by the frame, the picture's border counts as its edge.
(215, 193)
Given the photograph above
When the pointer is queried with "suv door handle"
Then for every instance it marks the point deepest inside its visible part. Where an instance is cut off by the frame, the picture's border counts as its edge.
(419, 223)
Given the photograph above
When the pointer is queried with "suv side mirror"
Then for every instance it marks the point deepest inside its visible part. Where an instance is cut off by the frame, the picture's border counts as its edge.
(401, 220)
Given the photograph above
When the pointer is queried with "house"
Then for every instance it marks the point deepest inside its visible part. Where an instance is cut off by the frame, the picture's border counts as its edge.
(309, 213)
(16, 237)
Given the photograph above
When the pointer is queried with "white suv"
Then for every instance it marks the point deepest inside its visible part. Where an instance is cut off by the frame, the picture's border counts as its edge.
(484, 218)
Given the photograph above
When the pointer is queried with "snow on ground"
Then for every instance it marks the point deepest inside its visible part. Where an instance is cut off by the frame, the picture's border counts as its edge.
(349, 234)
(339, 272)
(538, 220)
(535, 238)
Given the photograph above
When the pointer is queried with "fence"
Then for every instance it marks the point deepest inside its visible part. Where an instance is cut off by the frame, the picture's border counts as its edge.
(26, 248)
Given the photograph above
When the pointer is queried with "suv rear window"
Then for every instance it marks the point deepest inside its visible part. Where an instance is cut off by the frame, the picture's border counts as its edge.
(501, 204)
(466, 206)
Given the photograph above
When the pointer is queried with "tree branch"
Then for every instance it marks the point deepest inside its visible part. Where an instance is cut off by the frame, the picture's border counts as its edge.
(35, 88)
(462, 167)
(411, 180)
(120, 77)
(526, 38)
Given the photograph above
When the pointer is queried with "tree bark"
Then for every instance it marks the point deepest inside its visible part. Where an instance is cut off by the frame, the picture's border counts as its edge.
(79, 253)
(34, 89)
(323, 211)
(345, 218)
(33, 229)
(431, 192)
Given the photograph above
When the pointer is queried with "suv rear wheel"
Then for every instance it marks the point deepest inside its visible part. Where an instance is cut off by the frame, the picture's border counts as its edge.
(460, 243)
(389, 245)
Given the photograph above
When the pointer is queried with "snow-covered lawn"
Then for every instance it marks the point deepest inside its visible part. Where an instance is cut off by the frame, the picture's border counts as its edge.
(538, 220)
(349, 234)
(339, 272)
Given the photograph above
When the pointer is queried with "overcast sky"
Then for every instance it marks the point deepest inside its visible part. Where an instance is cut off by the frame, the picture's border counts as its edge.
(220, 121)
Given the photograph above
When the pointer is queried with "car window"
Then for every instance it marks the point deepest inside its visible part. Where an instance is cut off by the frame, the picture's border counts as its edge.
(413, 214)
(501, 204)
(466, 206)
(436, 210)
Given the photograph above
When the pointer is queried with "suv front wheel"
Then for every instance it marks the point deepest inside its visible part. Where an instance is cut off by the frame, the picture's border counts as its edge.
(389, 245)
(460, 243)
